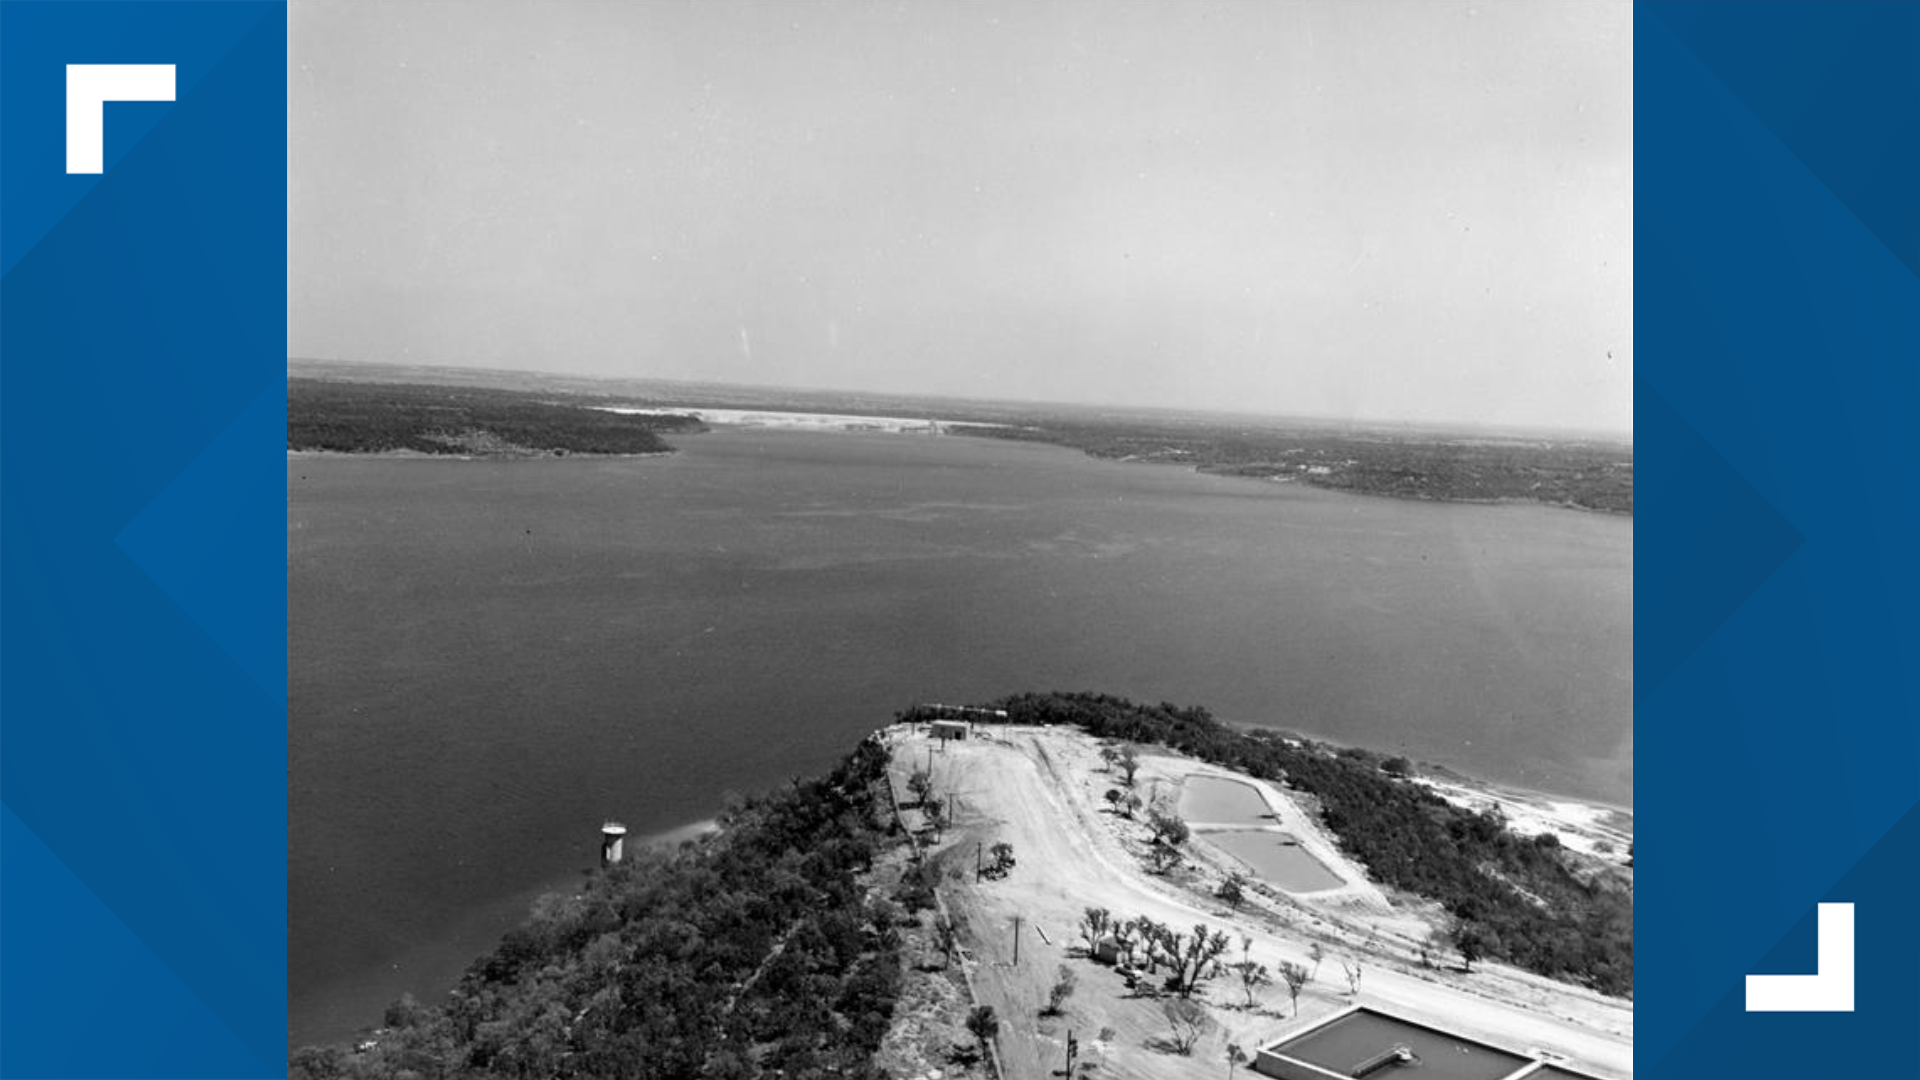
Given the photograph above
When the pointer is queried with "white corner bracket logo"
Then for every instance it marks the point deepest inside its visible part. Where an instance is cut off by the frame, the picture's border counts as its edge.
(1830, 989)
(89, 88)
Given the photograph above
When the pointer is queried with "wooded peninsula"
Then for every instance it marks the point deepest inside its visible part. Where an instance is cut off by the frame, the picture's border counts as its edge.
(782, 945)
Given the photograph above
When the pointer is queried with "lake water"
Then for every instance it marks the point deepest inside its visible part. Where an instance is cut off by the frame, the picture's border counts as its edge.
(488, 658)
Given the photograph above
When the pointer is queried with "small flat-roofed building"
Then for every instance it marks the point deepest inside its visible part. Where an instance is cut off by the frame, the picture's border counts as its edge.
(1365, 1043)
(948, 729)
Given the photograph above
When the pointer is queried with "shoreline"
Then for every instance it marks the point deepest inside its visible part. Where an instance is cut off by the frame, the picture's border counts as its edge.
(348, 1007)
(1448, 775)
(504, 455)
(1578, 821)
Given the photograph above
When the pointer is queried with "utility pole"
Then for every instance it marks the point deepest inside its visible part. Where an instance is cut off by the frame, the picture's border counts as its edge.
(1016, 941)
(979, 857)
(1072, 1048)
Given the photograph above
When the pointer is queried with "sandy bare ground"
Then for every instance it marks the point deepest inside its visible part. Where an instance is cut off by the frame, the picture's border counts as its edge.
(1041, 790)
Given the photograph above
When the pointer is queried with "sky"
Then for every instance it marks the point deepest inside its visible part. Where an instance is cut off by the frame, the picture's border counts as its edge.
(1416, 212)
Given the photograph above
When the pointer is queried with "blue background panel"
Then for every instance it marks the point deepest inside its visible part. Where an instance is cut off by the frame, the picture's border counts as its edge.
(1777, 587)
(143, 635)
(142, 638)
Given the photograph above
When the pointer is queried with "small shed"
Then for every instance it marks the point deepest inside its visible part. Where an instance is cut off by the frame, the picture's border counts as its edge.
(948, 729)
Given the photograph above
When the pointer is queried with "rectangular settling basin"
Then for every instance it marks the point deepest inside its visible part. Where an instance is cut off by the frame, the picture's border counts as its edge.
(1362, 1044)
(1210, 800)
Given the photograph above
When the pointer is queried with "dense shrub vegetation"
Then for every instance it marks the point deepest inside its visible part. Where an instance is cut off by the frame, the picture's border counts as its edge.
(1517, 898)
(752, 954)
(1590, 474)
(367, 418)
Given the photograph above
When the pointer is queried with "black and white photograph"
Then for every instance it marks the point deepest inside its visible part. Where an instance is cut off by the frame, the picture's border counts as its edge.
(960, 540)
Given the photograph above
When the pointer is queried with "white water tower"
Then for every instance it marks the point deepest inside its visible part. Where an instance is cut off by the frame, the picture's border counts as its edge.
(613, 836)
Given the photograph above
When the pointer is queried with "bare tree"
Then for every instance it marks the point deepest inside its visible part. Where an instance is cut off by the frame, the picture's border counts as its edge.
(921, 785)
(1189, 1020)
(1297, 977)
(1127, 936)
(1109, 755)
(1129, 761)
(1235, 1056)
(1253, 978)
(944, 935)
(1094, 926)
(1353, 976)
(1191, 956)
(1316, 954)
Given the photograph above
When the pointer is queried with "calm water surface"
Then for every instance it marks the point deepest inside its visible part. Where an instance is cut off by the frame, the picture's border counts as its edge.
(488, 658)
(1274, 858)
(1212, 801)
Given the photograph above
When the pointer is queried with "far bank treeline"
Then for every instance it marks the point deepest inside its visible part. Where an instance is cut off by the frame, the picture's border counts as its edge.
(1517, 899)
(1588, 475)
(371, 418)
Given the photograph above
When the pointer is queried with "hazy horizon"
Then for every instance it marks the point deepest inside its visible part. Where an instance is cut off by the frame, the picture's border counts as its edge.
(1413, 214)
(1001, 401)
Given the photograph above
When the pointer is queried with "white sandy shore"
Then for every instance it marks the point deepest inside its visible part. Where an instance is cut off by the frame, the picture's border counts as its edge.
(803, 421)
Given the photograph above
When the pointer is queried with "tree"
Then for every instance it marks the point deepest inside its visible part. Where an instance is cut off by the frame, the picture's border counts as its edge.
(1129, 761)
(1109, 755)
(984, 1025)
(1468, 939)
(1189, 1021)
(1316, 954)
(944, 935)
(921, 785)
(1297, 977)
(317, 1063)
(1235, 1056)
(1253, 978)
(1063, 985)
(1093, 927)
(1353, 976)
(1169, 832)
(1397, 766)
(1130, 805)
(1232, 890)
(1128, 935)
(1190, 956)
(1002, 860)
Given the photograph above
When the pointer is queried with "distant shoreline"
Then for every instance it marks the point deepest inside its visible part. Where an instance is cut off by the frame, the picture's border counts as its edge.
(1588, 472)
(503, 455)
